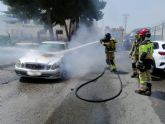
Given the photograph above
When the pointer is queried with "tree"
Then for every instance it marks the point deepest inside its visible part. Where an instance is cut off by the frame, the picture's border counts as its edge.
(86, 10)
(53, 12)
(38, 10)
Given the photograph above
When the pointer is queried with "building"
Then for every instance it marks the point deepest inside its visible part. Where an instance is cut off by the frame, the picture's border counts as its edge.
(115, 32)
(29, 31)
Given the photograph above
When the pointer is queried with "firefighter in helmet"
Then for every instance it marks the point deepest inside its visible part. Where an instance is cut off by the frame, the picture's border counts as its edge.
(145, 62)
(134, 54)
(110, 48)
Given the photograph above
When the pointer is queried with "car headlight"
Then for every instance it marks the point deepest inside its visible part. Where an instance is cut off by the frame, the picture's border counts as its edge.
(18, 64)
(23, 65)
(55, 66)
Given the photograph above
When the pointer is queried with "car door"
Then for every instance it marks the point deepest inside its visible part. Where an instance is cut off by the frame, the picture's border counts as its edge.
(155, 54)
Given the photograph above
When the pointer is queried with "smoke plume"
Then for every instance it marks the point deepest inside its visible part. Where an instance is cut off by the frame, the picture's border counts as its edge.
(87, 59)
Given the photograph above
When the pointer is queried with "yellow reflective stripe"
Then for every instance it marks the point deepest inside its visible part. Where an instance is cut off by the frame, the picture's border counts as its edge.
(142, 82)
(140, 49)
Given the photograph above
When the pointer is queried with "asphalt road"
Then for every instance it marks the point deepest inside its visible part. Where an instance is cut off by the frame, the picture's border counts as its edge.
(128, 108)
(35, 101)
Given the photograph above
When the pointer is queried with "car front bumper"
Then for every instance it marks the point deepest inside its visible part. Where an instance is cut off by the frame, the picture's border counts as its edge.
(47, 74)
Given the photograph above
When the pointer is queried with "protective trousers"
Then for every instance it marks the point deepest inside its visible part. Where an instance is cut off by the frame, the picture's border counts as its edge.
(134, 62)
(110, 59)
(145, 78)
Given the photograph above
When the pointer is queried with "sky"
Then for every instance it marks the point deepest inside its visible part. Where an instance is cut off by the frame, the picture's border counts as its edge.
(142, 13)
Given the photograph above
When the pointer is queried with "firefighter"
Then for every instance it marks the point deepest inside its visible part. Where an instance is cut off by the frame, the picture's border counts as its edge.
(110, 48)
(145, 62)
(134, 54)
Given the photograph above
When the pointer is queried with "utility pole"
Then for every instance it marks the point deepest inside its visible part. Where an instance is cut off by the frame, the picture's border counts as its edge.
(125, 23)
(155, 33)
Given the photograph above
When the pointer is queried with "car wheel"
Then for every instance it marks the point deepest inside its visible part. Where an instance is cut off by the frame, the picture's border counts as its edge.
(22, 79)
(64, 75)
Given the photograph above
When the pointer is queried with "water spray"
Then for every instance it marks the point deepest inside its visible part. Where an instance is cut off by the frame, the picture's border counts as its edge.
(76, 48)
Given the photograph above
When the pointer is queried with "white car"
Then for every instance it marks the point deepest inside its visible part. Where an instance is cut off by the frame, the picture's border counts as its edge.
(45, 62)
(159, 55)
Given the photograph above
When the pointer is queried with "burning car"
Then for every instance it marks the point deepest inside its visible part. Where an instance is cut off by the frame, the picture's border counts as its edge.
(45, 62)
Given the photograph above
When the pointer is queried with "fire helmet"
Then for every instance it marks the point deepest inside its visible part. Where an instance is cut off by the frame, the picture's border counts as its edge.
(144, 32)
(108, 36)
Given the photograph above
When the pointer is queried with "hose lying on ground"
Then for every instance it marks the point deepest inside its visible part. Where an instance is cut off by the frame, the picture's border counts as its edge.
(99, 101)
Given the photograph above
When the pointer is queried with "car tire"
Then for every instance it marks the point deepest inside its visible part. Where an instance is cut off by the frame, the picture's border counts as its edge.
(22, 79)
(64, 75)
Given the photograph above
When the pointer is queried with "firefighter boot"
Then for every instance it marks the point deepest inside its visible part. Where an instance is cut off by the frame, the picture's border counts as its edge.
(134, 70)
(134, 75)
(113, 68)
(140, 91)
(108, 67)
(148, 91)
(108, 64)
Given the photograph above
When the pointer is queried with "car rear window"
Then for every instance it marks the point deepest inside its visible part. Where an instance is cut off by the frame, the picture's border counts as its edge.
(156, 45)
(163, 46)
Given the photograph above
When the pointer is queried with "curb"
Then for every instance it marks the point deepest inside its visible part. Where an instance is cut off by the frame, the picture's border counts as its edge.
(6, 65)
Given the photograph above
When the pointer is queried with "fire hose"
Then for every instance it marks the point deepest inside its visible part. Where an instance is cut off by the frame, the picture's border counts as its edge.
(95, 79)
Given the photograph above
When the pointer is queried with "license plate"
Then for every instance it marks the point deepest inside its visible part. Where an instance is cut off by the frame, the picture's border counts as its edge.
(34, 73)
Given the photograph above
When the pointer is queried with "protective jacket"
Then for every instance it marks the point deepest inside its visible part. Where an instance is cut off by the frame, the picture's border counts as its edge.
(146, 51)
(135, 49)
(145, 55)
(110, 45)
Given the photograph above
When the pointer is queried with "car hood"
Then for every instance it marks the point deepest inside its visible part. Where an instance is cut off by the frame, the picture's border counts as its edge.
(44, 58)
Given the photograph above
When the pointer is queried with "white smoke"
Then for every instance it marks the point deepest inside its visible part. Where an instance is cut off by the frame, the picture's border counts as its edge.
(87, 59)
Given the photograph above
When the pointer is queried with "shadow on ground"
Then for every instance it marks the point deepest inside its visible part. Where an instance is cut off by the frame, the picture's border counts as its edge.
(156, 78)
(40, 80)
(158, 95)
(122, 72)
(75, 111)
(159, 75)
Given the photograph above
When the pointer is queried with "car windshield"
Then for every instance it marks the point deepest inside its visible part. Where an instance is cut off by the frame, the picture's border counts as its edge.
(156, 45)
(163, 46)
(51, 47)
